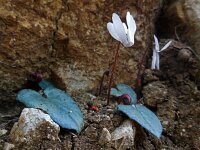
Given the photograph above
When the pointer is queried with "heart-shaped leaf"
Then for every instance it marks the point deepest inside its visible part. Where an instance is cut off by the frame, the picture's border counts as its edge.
(124, 89)
(58, 104)
(46, 84)
(143, 116)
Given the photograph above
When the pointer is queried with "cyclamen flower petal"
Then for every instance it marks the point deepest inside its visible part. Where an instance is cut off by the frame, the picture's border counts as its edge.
(155, 64)
(118, 26)
(157, 61)
(125, 28)
(111, 30)
(131, 27)
(166, 46)
(120, 31)
(157, 47)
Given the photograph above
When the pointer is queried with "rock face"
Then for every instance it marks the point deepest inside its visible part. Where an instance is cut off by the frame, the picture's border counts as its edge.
(183, 17)
(68, 39)
(34, 126)
(154, 93)
(126, 132)
(105, 137)
(174, 94)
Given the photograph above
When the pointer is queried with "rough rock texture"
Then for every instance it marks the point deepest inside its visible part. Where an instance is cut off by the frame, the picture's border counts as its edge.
(121, 138)
(26, 39)
(90, 47)
(68, 38)
(173, 93)
(8, 146)
(182, 17)
(33, 127)
(125, 133)
(154, 93)
(105, 137)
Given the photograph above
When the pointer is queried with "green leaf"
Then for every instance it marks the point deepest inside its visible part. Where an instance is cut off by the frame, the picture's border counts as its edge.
(46, 84)
(58, 104)
(115, 92)
(124, 89)
(143, 116)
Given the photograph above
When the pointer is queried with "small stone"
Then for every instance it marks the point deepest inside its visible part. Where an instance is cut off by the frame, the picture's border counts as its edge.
(3, 132)
(126, 132)
(105, 137)
(165, 122)
(91, 132)
(98, 118)
(111, 115)
(110, 110)
(8, 146)
(34, 125)
(105, 117)
(184, 55)
(109, 107)
(94, 119)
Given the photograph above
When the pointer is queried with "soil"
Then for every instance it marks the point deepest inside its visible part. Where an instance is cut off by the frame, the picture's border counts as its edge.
(172, 93)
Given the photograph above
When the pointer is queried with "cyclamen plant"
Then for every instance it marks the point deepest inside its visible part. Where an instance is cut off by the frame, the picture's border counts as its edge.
(127, 98)
(122, 33)
(129, 106)
(156, 57)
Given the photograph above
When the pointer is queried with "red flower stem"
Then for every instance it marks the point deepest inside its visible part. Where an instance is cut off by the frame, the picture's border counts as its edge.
(112, 73)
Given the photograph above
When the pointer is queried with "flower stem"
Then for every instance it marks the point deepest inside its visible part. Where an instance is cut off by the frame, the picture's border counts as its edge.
(112, 73)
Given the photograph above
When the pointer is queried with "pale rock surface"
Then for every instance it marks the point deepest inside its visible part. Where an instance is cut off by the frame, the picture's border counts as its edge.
(8, 146)
(105, 137)
(34, 125)
(125, 133)
(3, 132)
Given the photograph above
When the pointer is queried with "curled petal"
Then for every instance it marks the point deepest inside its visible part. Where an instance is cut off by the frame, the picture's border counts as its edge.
(112, 31)
(153, 63)
(125, 27)
(157, 61)
(130, 39)
(131, 27)
(119, 28)
(157, 47)
(166, 46)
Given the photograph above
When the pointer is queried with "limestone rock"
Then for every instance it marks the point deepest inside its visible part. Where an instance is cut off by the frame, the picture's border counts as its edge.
(70, 40)
(34, 125)
(154, 93)
(184, 55)
(105, 137)
(91, 132)
(8, 146)
(125, 133)
(26, 40)
(3, 132)
(182, 17)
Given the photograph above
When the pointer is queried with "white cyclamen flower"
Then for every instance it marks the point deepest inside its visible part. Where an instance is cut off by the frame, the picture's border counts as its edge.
(119, 30)
(156, 58)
